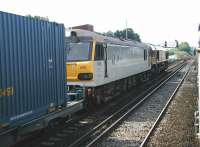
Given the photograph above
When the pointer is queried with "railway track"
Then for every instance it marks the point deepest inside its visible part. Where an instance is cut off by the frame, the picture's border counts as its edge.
(114, 120)
(94, 135)
(161, 115)
(95, 128)
(142, 121)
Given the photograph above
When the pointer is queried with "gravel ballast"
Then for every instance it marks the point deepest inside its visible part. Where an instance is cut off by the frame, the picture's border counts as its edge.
(133, 130)
(177, 127)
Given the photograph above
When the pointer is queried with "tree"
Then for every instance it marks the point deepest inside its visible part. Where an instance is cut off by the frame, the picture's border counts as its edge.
(109, 33)
(184, 46)
(122, 34)
(130, 34)
(172, 51)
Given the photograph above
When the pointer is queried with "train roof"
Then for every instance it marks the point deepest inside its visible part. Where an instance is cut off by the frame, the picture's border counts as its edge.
(101, 38)
(156, 47)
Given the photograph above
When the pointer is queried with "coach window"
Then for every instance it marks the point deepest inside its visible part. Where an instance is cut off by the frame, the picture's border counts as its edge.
(99, 52)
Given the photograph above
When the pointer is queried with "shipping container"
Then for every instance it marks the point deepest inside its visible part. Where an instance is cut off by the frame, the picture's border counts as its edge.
(32, 68)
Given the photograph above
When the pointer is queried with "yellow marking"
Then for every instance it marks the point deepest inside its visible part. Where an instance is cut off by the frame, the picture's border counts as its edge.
(7, 92)
(74, 69)
(93, 50)
(83, 67)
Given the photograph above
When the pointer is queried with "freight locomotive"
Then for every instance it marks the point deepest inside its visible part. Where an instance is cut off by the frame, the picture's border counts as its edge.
(159, 59)
(105, 67)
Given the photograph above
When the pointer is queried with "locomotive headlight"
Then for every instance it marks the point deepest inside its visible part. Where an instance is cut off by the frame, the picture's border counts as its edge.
(85, 76)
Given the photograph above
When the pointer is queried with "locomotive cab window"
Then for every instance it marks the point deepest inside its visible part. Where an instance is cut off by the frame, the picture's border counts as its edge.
(80, 51)
(99, 52)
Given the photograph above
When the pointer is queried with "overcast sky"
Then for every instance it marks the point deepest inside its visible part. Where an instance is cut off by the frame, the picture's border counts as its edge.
(155, 20)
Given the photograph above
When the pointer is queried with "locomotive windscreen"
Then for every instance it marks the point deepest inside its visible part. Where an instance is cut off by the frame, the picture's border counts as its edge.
(80, 51)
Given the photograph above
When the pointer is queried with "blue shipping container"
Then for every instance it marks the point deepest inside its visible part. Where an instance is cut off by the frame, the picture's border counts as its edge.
(32, 68)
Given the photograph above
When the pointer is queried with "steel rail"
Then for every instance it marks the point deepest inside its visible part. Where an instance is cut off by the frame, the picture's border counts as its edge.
(142, 98)
(145, 141)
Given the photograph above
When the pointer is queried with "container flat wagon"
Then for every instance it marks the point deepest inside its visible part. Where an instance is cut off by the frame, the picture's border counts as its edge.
(32, 75)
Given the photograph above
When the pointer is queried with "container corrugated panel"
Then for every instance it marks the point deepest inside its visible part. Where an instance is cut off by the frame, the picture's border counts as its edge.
(32, 68)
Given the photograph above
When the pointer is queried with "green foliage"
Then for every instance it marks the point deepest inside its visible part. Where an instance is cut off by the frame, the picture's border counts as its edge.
(38, 17)
(172, 51)
(130, 34)
(183, 47)
(122, 34)
(109, 34)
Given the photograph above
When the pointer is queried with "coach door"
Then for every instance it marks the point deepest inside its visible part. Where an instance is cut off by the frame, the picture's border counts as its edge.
(101, 55)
